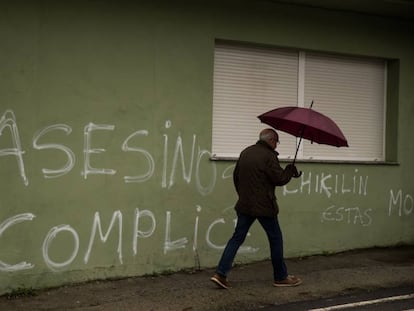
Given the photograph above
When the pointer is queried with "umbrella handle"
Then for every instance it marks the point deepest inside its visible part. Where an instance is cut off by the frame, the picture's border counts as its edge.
(298, 175)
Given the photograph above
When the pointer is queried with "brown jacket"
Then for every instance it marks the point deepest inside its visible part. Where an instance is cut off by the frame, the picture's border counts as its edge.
(255, 177)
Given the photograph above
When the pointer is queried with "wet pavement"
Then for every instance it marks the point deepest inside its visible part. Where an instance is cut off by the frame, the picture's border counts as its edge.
(327, 276)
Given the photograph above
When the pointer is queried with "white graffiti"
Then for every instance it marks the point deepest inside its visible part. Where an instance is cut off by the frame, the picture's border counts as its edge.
(329, 184)
(242, 249)
(55, 266)
(195, 238)
(228, 171)
(350, 215)
(87, 150)
(151, 165)
(9, 120)
(179, 159)
(172, 245)
(212, 225)
(404, 204)
(179, 150)
(139, 233)
(116, 220)
(7, 224)
(204, 190)
(97, 224)
(53, 173)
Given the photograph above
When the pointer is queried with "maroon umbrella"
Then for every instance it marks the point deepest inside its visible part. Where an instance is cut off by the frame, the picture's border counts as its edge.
(305, 123)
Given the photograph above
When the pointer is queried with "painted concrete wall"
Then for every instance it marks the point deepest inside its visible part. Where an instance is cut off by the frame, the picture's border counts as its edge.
(106, 113)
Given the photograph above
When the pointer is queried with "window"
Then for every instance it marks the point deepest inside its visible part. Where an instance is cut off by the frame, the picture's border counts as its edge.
(250, 80)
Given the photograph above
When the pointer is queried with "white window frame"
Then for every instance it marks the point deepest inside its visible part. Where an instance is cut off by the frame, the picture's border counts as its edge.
(349, 89)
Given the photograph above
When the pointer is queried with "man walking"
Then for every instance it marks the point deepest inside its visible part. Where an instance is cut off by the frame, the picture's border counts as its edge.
(255, 177)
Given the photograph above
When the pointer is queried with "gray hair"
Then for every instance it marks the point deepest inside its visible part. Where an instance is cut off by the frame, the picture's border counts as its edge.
(267, 134)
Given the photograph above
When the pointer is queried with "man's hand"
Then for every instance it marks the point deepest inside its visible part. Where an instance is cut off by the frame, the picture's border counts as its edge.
(291, 167)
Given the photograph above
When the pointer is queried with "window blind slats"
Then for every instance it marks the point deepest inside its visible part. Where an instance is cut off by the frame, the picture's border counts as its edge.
(249, 81)
(351, 91)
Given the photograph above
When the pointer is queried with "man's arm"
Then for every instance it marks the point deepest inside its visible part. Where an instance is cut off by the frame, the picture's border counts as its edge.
(236, 177)
(280, 176)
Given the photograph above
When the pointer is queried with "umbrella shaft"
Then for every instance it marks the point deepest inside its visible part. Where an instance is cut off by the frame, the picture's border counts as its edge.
(300, 140)
(297, 149)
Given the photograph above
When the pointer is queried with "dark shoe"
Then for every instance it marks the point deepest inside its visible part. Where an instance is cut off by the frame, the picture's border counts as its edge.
(291, 280)
(220, 281)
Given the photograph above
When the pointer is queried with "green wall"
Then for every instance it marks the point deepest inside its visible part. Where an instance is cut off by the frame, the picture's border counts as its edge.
(106, 113)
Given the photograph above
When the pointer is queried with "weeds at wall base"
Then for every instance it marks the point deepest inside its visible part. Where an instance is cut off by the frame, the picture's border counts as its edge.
(21, 292)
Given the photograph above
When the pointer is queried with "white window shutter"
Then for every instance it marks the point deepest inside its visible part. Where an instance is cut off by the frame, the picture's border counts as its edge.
(350, 91)
(249, 81)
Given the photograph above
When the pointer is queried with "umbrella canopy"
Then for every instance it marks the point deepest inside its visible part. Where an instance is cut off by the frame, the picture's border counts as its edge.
(305, 123)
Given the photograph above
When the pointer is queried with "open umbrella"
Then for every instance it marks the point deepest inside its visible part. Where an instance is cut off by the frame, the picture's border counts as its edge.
(305, 123)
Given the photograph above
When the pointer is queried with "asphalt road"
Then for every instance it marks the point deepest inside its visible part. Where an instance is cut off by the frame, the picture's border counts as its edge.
(349, 277)
(389, 299)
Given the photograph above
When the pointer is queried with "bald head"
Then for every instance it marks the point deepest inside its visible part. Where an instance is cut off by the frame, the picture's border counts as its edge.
(270, 137)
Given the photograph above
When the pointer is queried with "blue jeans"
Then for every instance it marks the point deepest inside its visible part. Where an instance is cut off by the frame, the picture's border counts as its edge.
(274, 235)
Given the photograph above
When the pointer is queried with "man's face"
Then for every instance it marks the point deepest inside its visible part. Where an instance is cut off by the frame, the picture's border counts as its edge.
(275, 141)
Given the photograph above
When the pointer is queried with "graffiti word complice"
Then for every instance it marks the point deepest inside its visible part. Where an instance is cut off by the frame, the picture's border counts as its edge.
(116, 224)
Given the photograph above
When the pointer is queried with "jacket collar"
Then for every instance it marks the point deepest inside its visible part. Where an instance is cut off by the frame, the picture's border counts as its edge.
(265, 144)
